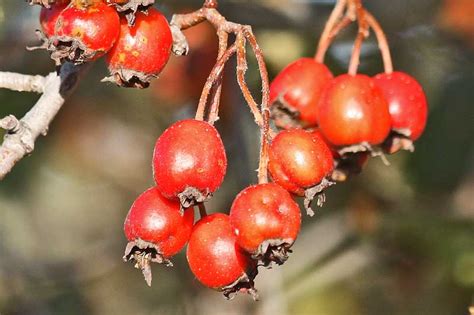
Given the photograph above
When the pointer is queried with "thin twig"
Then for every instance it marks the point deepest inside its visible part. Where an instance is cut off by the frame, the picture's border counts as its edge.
(362, 34)
(324, 41)
(382, 40)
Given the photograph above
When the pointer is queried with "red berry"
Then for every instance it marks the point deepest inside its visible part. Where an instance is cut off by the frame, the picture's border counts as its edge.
(299, 86)
(354, 111)
(49, 16)
(85, 32)
(215, 258)
(407, 103)
(156, 229)
(266, 221)
(141, 51)
(299, 159)
(189, 161)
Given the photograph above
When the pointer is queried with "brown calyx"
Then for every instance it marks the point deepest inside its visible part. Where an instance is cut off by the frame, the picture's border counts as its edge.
(130, 78)
(284, 115)
(244, 284)
(273, 251)
(143, 253)
(316, 192)
(399, 139)
(129, 8)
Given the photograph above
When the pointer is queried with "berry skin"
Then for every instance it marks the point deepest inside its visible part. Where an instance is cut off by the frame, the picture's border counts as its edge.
(299, 159)
(299, 86)
(84, 32)
(189, 161)
(215, 258)
(156, 229)
(49, 16)
(407, 103)
(353, 111)
(141, 51)
(266, 221)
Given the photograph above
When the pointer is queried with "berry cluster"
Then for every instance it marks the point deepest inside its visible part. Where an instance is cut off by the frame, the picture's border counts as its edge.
(325, 129)
(134, 37)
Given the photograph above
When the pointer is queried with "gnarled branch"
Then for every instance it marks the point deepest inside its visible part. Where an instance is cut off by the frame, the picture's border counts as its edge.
(22, 134)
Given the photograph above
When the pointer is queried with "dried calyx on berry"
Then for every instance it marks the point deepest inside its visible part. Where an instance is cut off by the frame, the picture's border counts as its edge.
(130, 7)
(47, 3)
(86, 30)
(266, 220)
(141, 51)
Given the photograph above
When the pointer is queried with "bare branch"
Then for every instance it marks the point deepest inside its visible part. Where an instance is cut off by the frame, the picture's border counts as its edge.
(22, 134)
(22, 82)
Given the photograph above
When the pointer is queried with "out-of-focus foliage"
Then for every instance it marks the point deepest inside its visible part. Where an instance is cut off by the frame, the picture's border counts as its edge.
(395, 240)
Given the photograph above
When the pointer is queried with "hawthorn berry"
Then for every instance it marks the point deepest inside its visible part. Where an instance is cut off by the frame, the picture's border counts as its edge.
(296, 90)
(216, 260)
(86, 30)
(49, 17)
(301, 162)
(189, 161)
(354, 112)
(266, 221)
(141, 51)
(408, 107)
(156, 229)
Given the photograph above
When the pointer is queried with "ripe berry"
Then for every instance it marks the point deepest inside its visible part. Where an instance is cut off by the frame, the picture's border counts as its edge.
(130, 7)
(299, 159)
(215, 258)
(189, 161)
(156, 229)
(266, 221)
(407, 103)
(85, 31)
(353, 111)
(49, 16)
(141, 51)
(296, 90)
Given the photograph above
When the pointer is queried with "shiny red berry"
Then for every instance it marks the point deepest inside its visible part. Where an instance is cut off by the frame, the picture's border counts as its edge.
(189, 161)
(266, 221)
(156, 229)
(407, 103)
(296, 91)
(215, 258)
(85, 31)
(354, 111)
(299, 159)
(49, 17)
(141, 51)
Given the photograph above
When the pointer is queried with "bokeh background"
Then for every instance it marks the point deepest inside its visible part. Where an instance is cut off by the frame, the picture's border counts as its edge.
(394, 240)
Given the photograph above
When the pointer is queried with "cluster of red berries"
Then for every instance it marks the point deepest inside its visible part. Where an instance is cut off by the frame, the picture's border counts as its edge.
(135, 38)
(328, 127)
(223, 250)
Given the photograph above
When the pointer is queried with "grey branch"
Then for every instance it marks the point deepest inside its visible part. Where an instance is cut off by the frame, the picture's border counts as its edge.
(22, 134)
(21, 82)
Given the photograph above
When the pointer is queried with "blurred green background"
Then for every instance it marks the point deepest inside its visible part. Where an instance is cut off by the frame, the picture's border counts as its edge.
(394, 240)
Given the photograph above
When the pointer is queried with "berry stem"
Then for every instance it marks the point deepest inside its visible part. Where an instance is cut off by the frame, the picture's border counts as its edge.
(325, 39)
(202, 210)
(382, 40)
(363, 33)
(211, 80)
(214, 111)
(266, 132)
